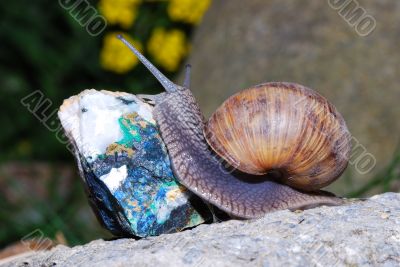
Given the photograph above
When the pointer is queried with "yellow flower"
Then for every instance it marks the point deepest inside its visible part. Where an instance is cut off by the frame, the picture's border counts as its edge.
(115, 56)
(190, 11)
(123, 12)
(168, 48)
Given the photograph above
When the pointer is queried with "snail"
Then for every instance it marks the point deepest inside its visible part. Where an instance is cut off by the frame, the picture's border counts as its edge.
(273, 130)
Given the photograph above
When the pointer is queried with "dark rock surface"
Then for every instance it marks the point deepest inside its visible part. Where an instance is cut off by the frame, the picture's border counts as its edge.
(361, 233)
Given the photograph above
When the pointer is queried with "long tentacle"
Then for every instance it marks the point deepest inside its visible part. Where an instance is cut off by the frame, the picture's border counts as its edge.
(186, 83)
(165, 82)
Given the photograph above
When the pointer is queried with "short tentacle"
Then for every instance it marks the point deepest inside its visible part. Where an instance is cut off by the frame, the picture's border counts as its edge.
(186, 83)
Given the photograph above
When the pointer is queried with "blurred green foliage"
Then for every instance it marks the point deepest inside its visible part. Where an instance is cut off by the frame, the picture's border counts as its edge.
(48, 210)
(387, 180)
(44, 48)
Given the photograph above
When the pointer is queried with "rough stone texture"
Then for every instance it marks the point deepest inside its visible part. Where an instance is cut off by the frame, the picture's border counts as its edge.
(243, 43)
(361, 233)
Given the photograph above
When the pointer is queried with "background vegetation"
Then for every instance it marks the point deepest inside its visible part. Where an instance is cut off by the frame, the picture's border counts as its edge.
(44, 48)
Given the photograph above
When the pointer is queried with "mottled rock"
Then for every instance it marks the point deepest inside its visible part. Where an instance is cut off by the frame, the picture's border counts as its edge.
(125, 165)
(243, 43)
(361, 233)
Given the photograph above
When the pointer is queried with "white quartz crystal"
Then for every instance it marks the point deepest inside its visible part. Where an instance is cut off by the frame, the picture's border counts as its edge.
(91, 118)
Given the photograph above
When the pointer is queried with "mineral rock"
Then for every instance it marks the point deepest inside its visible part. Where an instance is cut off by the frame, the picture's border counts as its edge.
(125, 165)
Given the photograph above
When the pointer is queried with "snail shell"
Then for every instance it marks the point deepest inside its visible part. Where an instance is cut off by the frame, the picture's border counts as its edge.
(284, 128)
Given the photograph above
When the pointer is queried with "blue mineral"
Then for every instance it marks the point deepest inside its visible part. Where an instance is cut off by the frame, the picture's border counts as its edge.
(129, 182)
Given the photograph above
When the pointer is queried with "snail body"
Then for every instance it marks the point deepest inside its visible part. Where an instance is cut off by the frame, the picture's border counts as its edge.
(274, 127)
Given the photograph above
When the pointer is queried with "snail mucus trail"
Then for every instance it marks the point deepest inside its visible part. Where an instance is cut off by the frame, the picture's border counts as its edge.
(284, 128)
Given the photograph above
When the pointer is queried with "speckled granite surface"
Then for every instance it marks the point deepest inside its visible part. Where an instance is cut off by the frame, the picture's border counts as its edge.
(361, 233)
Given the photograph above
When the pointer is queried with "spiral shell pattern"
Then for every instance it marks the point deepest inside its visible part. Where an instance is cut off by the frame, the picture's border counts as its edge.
(285, 128)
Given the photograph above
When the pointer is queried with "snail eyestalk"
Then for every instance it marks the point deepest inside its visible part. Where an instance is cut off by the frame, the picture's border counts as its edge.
(186, 82)
(165, 82)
